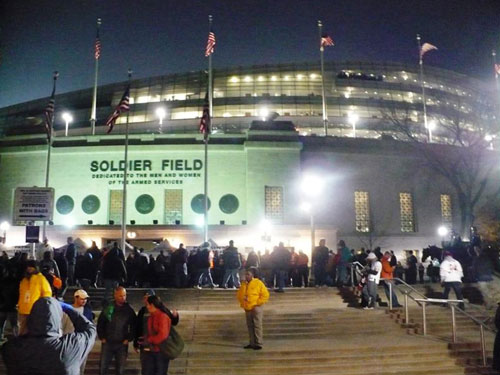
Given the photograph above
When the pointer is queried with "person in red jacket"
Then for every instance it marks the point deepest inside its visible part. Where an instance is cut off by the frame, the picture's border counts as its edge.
(153, 361)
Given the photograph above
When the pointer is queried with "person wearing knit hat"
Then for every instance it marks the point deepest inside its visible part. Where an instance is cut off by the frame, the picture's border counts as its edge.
(32, 287)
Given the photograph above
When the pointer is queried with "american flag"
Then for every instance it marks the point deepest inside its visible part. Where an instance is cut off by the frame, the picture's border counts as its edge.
(205, 117)
(326, 41)
(210, 44)
(123, 106)
(49, 110)
(97, 47)
(426, 47)
(497, 70)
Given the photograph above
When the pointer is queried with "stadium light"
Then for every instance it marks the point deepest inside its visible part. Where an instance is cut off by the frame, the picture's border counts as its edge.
(66, 116)
(442, 231)
(312, 185)
(353, 119)
(161, 113)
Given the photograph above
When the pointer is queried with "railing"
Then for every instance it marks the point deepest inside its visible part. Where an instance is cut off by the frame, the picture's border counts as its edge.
(423, 301)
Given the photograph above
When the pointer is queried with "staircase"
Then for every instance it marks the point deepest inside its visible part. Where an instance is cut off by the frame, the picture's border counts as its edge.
(306, 331)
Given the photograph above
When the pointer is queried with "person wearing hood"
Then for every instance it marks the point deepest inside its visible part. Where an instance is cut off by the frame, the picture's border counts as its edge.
(451, 274)
(43, 350)
(33, 286)
(373, 270)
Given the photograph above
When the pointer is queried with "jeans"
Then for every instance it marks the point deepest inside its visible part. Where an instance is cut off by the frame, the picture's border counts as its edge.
(342, 274)
(11, 316)
(456, 288)
(319, 274)
(304, 276)
(370, 293)
(233, 274)
(71, 274)
(282, 275)
(153, 363)
(205, 274)
(119, 352)
(395, 301)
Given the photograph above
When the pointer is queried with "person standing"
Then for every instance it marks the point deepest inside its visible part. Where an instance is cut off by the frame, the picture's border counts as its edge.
(42, 248)
(81, 305)
(113, 272)
(320, 257)
(451, 274)
(9, 295)
(281, 262)
(252, 295)
(303, 269)
(411, 271)
(33, 286)
(387, 274)
(232, 265)
(43, 350)
(373, 270)
(344, 258)
(154, 321)
(70, 255)
(179, 260)
(116, 328)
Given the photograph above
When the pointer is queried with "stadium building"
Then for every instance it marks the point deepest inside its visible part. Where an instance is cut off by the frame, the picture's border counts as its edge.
(370, 187)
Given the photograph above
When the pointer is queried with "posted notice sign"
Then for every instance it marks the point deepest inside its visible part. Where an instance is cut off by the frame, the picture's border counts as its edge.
(33, 204)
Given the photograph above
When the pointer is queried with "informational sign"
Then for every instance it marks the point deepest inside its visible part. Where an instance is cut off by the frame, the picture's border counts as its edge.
(32, 234)
(33, 204)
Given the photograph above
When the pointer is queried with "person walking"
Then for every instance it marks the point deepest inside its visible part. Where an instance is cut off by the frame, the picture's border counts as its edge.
(154, 321)
(32, 287)
(451, 274)
(43, 350)
(373, 270)
(232, 265)
(252, 295)
(205, 263)
(116, 328)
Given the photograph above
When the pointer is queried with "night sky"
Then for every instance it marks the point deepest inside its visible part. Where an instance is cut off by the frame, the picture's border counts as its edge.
(156, 37)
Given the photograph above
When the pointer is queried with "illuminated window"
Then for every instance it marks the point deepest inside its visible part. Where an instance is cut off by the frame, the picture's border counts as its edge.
(446, 212)
(115, 205)
(406, 210)
(362, 211)
(274, 203)
(173, 206)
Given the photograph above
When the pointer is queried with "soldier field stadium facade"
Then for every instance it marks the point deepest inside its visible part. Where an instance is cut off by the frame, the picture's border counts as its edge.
(370, 186)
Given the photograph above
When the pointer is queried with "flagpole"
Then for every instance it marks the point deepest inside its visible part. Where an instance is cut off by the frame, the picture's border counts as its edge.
(205, 139)
(49, 148)
(321, 50)
(125, 171)
(94, 98)
(421, 64)
(494, 55)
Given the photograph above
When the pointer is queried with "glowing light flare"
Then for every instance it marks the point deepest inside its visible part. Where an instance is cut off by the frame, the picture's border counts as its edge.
(442, 231)
(5, 226)
(312, 185)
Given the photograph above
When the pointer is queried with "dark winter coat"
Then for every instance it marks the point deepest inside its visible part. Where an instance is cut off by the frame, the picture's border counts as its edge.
(116, 323)
(43, 351)
(113, 267)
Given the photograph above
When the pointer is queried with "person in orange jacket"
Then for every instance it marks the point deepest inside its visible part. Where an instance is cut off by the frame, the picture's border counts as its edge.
(387, 275)
(252, 295)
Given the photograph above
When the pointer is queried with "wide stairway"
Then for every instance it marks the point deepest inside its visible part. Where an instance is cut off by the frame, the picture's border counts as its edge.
(309, 331)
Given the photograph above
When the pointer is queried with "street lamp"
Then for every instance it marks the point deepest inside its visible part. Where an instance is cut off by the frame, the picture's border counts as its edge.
(431, 125)
(66, 116)
(442, 232)
(353, 119)
(161, 113)
(4, 227)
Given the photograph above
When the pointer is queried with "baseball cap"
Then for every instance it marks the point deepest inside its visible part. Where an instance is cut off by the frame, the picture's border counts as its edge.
(81, 293)
(150, 292)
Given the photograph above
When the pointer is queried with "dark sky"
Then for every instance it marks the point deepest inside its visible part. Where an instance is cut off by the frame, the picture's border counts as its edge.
(156, 37)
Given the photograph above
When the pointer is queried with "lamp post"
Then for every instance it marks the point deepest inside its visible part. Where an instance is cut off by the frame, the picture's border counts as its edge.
(4, 227)
(307, 208)
(353, 119)
(161, 114)
(66, 116)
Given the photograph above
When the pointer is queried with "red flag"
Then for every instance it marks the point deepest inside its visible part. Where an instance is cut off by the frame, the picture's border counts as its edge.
(210, 44)
(123, 106)
(205, 118)
(497, 70)
(97, 52)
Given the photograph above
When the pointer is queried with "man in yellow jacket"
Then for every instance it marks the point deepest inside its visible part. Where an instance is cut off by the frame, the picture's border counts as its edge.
(252, 295)
(32, 287)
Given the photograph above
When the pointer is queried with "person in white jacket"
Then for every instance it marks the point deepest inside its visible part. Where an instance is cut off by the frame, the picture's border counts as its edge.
(451, 276)
(372, 270)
